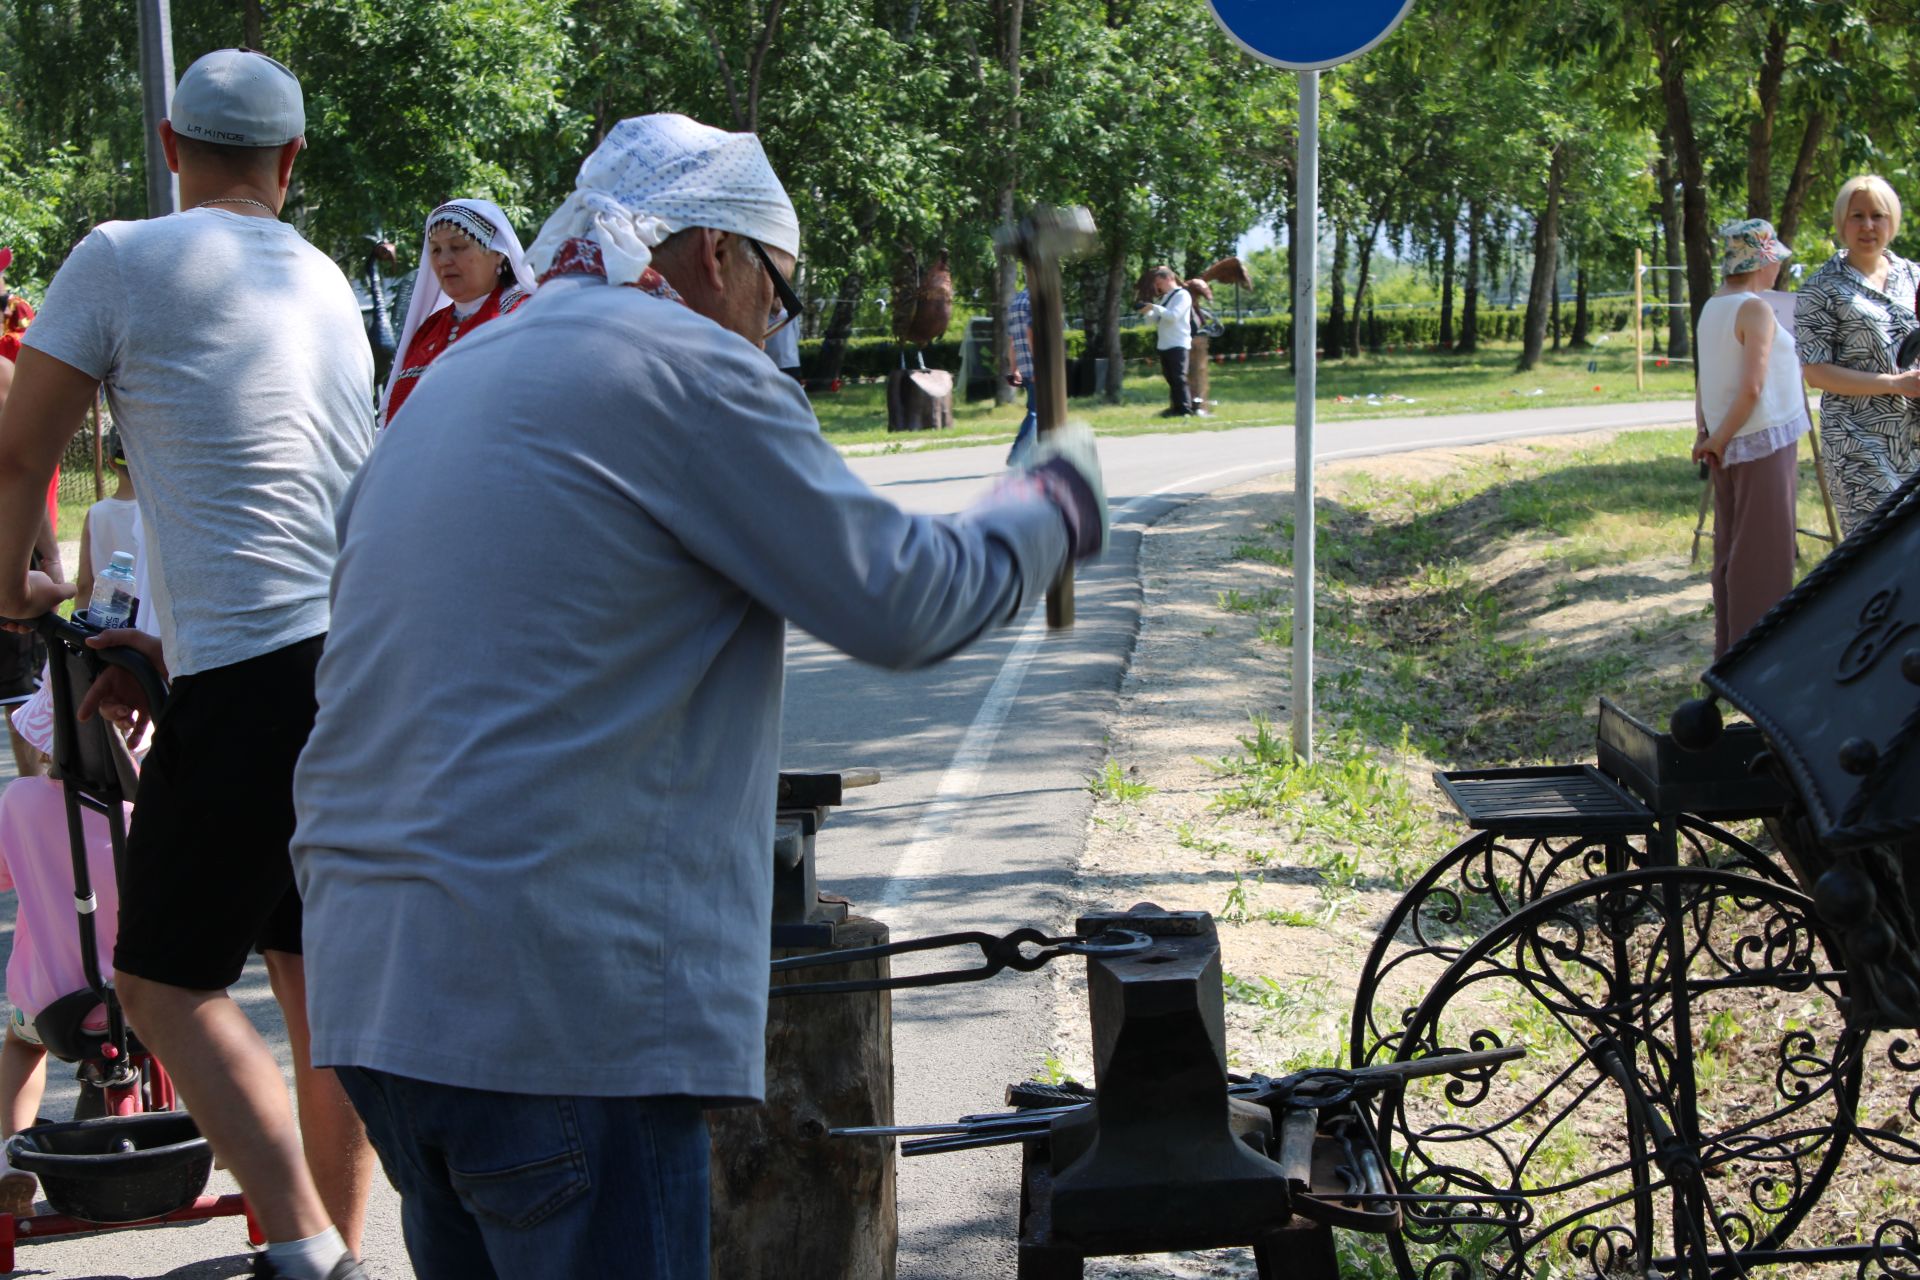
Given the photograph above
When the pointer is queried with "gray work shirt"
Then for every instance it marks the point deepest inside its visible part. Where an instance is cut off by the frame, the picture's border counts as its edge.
(536, 811)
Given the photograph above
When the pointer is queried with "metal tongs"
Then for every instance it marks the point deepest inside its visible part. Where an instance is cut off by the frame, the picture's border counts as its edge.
(1305, 1091)
(999, 952)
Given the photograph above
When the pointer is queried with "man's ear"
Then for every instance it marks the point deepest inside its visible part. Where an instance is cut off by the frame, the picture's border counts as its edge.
(168, 144)
(288, 153)
(714, 247)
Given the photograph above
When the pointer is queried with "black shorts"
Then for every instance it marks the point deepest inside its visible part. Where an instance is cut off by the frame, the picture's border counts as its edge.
(208, 876)
(22, 655)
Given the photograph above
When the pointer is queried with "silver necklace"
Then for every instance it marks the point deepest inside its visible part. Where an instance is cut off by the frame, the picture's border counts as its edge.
(258, 204)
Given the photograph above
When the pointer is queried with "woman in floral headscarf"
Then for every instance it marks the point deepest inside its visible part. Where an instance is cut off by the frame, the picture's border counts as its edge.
(472, 270)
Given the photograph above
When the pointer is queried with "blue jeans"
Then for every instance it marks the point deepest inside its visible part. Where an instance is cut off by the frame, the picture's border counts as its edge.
(531, 1185)
(1024, 441)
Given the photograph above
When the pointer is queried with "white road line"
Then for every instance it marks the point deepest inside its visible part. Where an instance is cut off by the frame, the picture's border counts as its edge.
(925, 851)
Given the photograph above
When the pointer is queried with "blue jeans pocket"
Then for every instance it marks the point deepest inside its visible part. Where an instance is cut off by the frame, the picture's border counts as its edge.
(527, 1194)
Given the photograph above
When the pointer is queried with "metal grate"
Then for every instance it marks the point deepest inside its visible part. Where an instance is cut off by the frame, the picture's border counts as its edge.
(1548, 800)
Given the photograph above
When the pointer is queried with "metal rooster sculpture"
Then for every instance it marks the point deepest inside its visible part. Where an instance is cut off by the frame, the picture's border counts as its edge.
(1228, 271)
(922, 302)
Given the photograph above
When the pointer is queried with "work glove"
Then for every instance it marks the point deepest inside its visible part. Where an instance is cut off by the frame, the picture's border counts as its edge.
(1066, 465)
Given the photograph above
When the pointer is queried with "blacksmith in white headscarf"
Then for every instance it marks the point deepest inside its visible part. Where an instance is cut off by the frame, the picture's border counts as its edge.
(533, 812)
(472, 270)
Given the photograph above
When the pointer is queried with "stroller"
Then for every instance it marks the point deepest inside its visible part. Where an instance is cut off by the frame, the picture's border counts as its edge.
(130, 1156)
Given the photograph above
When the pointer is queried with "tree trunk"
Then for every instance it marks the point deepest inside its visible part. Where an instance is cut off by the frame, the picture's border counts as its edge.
(1546, 247)
(1679, 332)
(1293, 294)
(1580, 340)
(1496, 242)
(833, 343)
(1696, 235)
(1005, 285)
(1360, 287)
(1656, 334)
(1556, 303)
(1110, 319)
(1797, 186)
(787, 1200)
(1449, 240)
(1512, 256)
(1773, 68)
(1337, 312)
(253, 26)
(1470, 307)
(1012, 18)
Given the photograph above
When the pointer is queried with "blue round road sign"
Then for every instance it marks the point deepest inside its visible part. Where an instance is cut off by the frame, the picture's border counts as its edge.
(1306, 35)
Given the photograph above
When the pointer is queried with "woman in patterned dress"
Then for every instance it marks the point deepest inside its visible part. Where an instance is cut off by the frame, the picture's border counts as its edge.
(1851, 315)
(472, 270)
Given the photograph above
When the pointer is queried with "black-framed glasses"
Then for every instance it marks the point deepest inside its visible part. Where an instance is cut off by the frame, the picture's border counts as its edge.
(789, 300)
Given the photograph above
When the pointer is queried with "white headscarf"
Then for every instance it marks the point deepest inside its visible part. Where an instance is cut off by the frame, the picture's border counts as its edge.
(655, 175)
(487, 227)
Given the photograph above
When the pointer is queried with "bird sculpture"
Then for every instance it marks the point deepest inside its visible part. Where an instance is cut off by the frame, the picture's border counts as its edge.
(922, 302)
(1228, 271)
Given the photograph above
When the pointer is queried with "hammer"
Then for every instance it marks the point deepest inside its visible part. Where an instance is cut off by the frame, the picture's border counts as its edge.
(1044, 238)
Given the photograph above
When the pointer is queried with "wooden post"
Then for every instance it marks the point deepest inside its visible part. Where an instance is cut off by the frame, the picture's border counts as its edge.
(1639, 370)
(788, 1200)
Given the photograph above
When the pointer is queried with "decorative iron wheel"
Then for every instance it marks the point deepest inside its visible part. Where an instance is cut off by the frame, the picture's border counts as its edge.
(1688, 1091)
(1487, 878)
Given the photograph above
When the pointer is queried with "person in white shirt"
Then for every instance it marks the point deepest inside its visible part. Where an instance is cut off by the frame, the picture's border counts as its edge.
(234, 358)
(1172, 307)
(1751, 414)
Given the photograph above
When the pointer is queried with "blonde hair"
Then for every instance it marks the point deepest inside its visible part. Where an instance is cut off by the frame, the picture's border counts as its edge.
(1882, 195)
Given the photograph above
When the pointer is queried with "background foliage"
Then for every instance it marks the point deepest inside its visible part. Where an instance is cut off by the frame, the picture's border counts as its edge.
(1491, 149)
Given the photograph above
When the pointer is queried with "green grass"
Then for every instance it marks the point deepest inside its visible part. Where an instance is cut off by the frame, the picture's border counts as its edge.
(1260, 392)
(1417, 648)
(1113, 783)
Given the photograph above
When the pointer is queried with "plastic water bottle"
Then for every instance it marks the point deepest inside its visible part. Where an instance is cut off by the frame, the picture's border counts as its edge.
(112, 602)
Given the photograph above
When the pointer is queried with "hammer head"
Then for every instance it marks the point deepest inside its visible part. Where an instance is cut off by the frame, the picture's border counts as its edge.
(1049, 233)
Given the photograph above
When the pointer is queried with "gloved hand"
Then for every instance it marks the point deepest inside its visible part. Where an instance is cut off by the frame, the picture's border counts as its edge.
(1067, 466)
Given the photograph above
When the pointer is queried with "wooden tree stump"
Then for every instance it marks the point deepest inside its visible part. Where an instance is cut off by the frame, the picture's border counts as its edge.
(789, 1202)
(919, 399)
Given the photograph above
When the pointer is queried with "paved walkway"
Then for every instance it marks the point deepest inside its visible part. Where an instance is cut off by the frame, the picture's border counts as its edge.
(978, 822)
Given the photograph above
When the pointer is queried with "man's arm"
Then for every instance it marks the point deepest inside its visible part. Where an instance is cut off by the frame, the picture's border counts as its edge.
(44, 409)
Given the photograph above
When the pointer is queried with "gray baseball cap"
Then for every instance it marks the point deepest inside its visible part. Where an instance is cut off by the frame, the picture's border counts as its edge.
(239, 98)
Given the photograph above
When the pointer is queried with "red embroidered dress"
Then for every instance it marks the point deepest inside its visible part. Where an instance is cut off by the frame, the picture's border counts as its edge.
(441, 330)
(14, 319)
(15, 316)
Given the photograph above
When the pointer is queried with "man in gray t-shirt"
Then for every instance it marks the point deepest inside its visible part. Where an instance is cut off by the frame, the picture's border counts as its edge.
(240, 377)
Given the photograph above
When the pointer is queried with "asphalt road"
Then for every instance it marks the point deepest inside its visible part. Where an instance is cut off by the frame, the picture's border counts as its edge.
(976, 825)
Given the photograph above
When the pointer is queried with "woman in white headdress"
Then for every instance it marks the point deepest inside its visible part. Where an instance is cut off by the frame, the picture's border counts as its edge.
(472, 270)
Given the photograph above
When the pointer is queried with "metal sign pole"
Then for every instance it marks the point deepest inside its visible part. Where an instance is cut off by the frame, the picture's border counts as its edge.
(156, 100)
(1306, 355)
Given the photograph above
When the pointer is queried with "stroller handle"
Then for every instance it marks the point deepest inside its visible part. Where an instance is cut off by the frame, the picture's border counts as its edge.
(56, 630)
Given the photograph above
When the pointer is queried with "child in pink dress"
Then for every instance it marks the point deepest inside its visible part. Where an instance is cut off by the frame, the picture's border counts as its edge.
(36, 862)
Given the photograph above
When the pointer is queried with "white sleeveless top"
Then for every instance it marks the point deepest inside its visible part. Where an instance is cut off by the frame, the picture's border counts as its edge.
(1781, 415)
(110, 528)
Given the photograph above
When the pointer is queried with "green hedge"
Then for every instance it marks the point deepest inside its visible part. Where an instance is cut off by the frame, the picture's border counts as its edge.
(1417, 327)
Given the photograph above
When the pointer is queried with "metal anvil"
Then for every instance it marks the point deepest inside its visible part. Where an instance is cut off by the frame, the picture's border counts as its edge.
(1164, 1159)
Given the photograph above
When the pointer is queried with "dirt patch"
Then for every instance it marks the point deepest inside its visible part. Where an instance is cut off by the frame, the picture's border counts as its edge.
(1301, 869)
